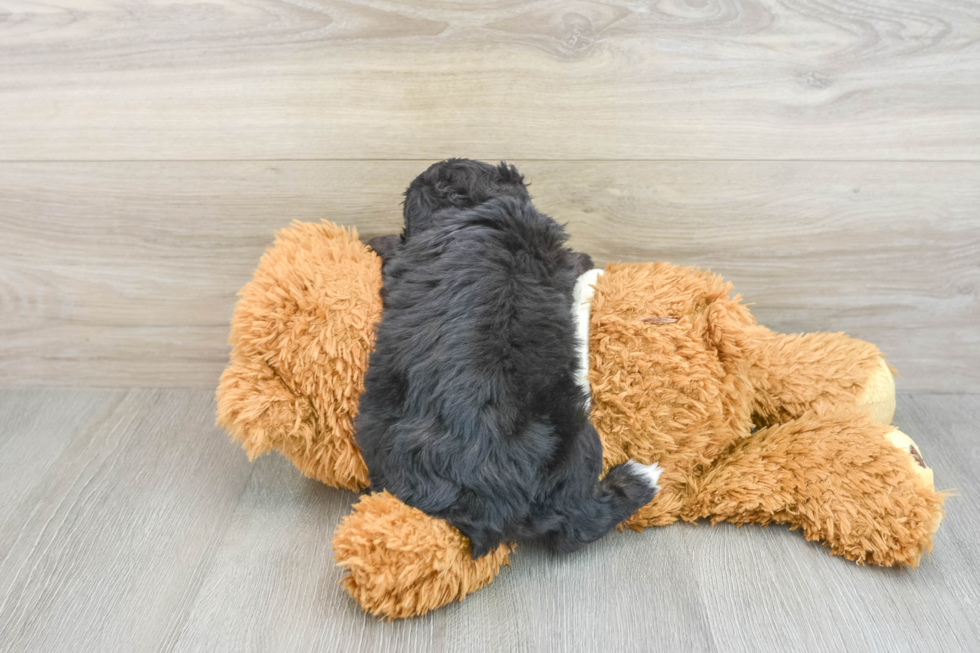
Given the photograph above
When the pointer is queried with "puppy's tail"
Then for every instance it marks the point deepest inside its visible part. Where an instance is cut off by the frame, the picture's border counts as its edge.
(624, 490)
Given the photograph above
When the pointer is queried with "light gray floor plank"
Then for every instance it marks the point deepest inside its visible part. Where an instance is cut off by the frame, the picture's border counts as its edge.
(627, 592)
(273, 585)
(35, 429)
(108, 549)
(133, 524)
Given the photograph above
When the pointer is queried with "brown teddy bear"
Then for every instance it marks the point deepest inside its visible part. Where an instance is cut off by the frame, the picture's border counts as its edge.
(749, 426)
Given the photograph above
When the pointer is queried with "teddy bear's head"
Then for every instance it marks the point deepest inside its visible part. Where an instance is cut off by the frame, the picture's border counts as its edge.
(300, 336)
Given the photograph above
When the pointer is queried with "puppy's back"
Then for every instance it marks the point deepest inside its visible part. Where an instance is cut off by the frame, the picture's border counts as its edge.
(471, 388)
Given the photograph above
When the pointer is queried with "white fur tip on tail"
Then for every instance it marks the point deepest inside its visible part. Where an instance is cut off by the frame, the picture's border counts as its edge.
(651, 473)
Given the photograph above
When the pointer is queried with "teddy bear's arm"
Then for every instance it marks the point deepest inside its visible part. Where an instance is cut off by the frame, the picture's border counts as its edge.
(858, 486)
(401, 562)
(793, 373)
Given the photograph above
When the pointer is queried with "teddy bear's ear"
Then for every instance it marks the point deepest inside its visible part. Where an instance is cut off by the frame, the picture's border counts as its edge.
(400, 562)
(301, 334)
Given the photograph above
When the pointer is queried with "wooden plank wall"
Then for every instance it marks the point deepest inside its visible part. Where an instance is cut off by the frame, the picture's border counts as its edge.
(824, 156)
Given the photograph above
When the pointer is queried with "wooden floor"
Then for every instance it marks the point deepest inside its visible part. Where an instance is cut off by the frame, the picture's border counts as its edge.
(824, 155)
(130, 523)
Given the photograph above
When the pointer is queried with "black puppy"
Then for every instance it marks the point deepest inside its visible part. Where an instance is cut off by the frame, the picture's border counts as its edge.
(460, 184)
(453, 183)
(471, 411)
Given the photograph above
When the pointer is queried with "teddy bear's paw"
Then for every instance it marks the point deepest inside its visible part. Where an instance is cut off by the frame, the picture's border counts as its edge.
(916, 461)
(400, 562)
(649, 473)
(879, 394)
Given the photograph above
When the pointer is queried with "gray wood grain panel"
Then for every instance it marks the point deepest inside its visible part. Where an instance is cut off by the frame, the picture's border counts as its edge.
(135, 525)
(628, 592)
(740, 79)
(126, 273)
(35, 430)
(108, 548)
(274, 585)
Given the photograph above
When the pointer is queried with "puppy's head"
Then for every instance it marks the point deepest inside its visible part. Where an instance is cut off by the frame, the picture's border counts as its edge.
(461, 184)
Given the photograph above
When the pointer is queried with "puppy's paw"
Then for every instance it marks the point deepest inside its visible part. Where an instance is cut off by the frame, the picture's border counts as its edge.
(649, 473)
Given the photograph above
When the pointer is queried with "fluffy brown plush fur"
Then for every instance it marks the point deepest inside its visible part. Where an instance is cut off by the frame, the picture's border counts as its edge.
(684, 394)
(687, 394)
(300, 338)
(390, 544)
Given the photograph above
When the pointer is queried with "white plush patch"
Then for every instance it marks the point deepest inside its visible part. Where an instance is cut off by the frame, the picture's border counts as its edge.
(650, 472)
(581, 310)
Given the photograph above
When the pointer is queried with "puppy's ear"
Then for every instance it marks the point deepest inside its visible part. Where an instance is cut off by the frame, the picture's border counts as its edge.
(507, 174)
(583, 263)
(385, 246)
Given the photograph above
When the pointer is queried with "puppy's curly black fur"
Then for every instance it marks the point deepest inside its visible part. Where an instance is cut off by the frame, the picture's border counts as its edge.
(453, 183)
(471, 411)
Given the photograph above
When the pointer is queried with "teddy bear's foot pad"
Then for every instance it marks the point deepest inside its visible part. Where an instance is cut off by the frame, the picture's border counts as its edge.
(916, 461)
(879, 394)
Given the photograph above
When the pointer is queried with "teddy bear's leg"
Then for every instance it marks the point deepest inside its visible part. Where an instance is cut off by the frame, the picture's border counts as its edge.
(401, 562)
(860, 487)
(794, 373)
